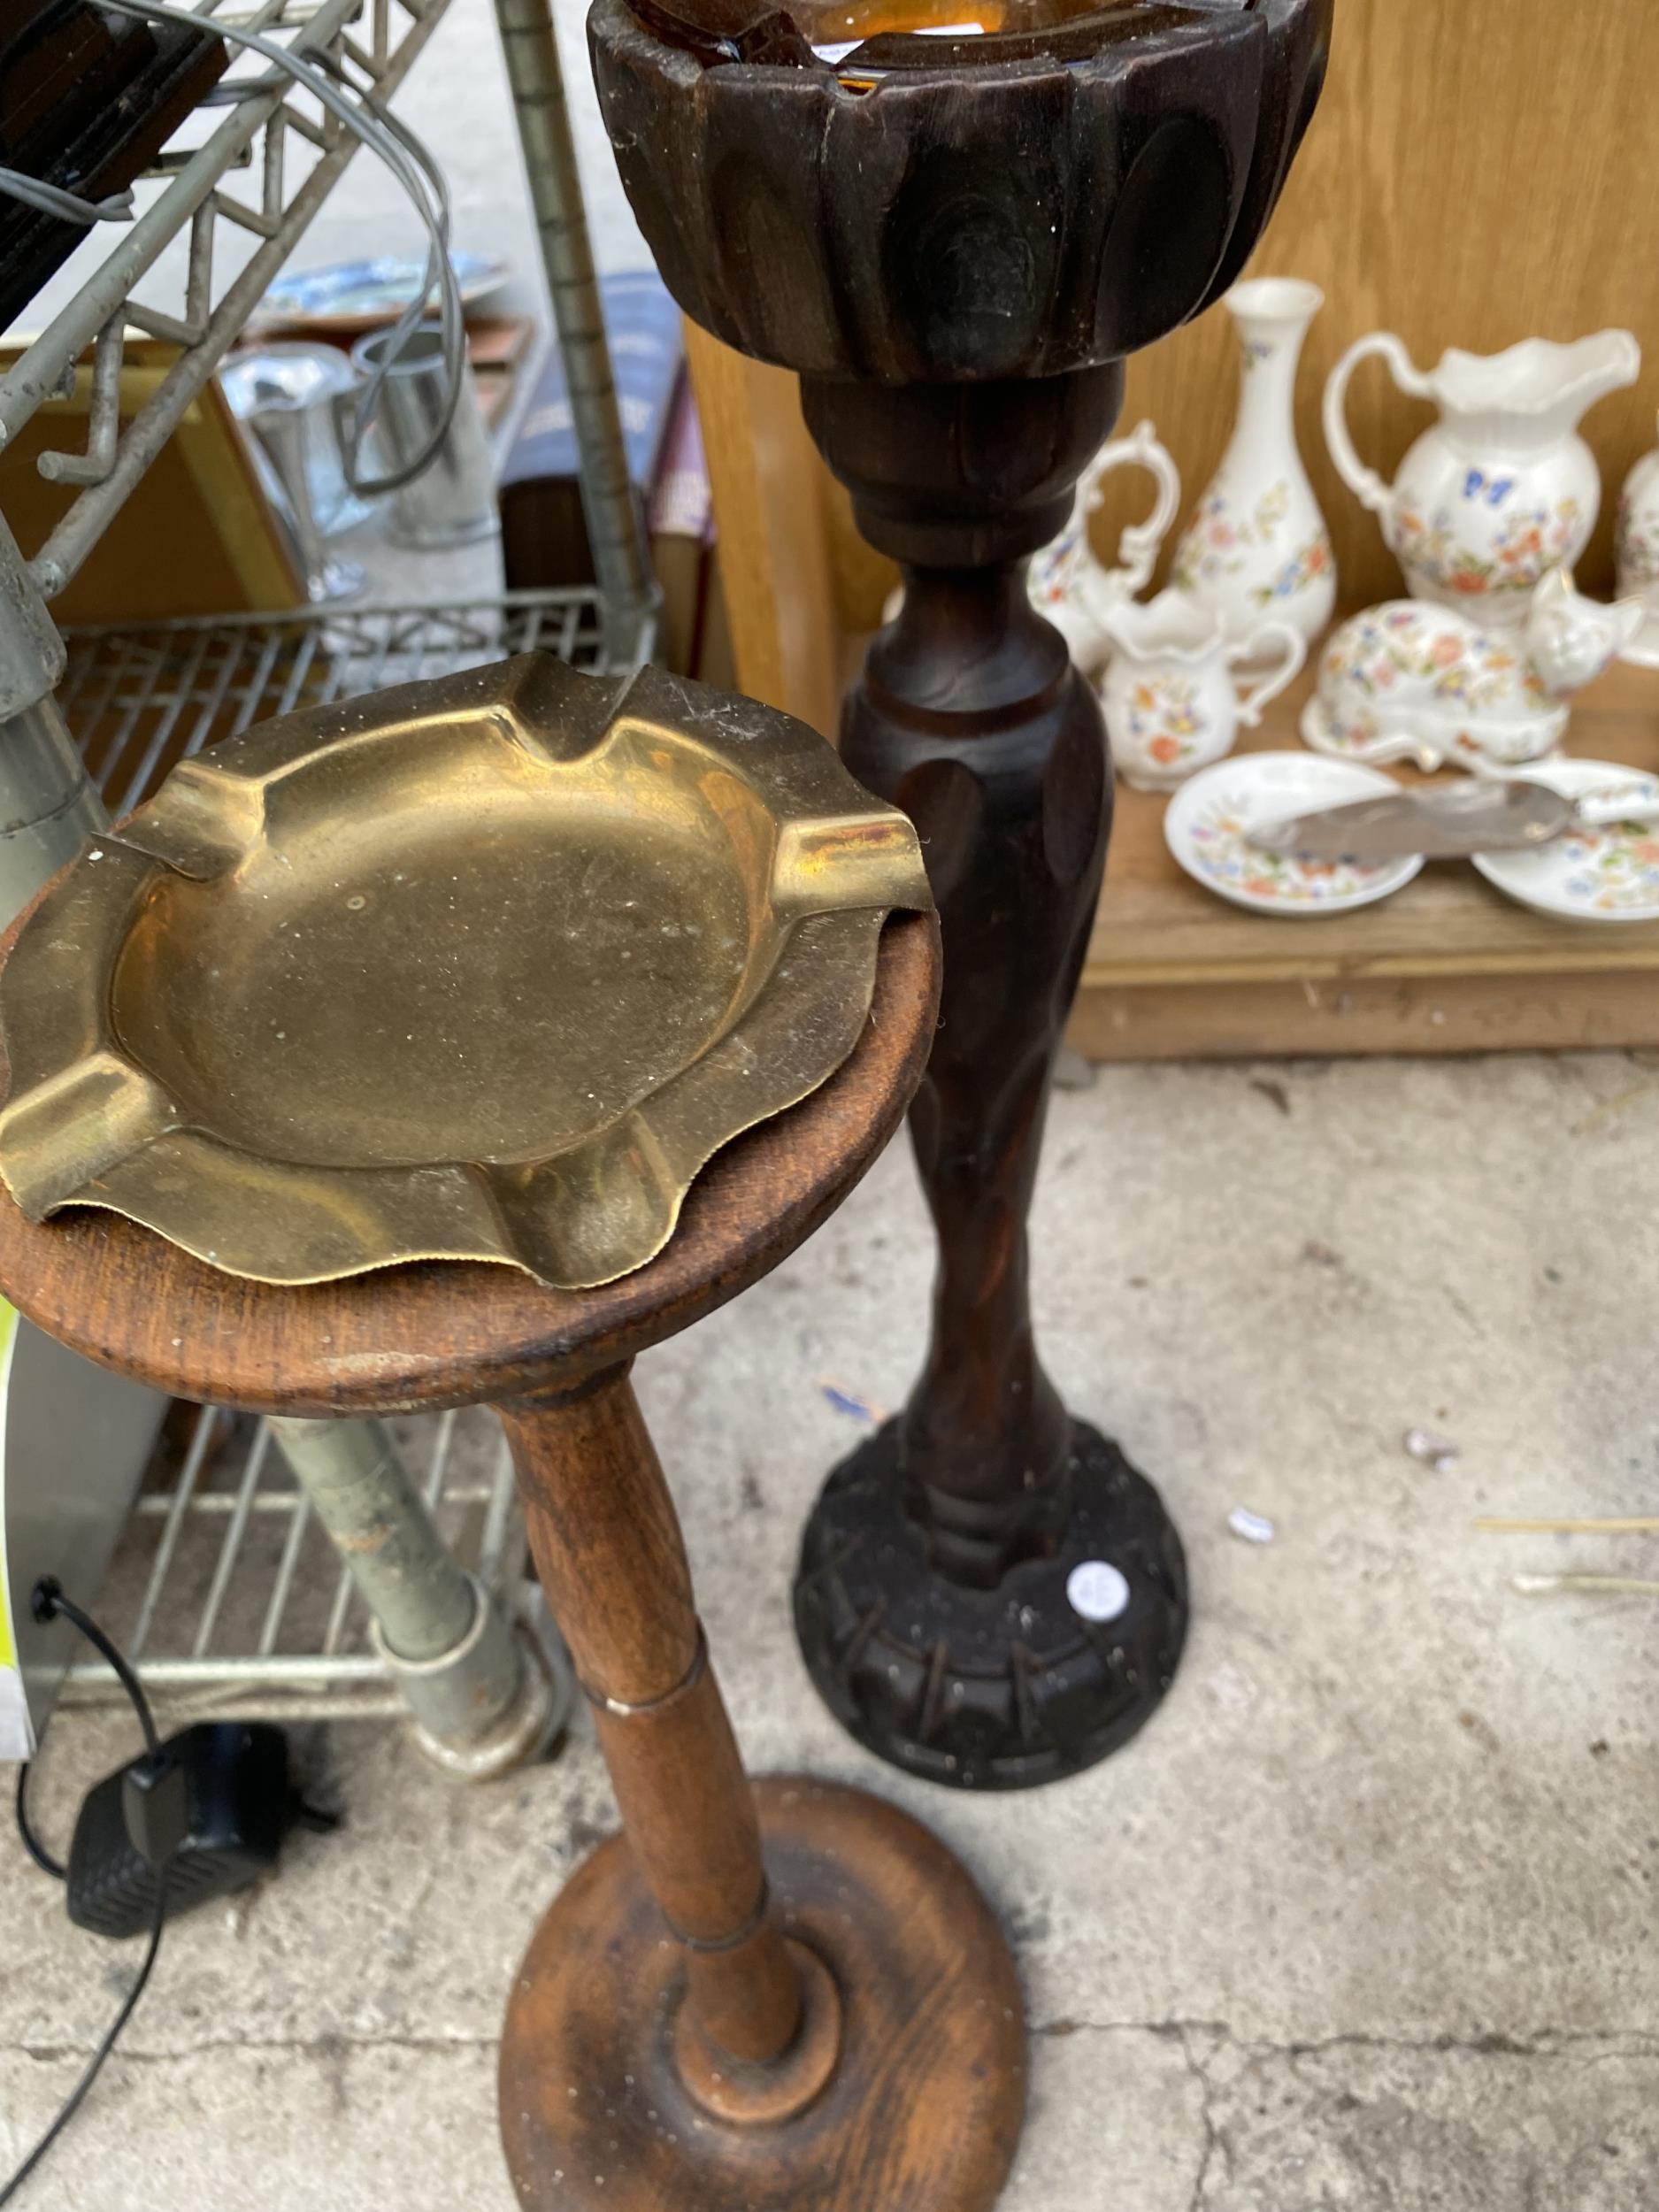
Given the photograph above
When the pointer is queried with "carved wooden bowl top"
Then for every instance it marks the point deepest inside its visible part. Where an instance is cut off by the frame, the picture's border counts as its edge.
(923, 191)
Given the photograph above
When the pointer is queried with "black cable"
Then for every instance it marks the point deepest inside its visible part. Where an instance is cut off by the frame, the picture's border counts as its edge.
(48, 1601)
(32, 1843)
(72, 2104)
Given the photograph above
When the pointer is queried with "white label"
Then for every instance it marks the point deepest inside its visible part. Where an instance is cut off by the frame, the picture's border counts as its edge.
(1254, 1528)
(1097, 1590)
(17, 1739)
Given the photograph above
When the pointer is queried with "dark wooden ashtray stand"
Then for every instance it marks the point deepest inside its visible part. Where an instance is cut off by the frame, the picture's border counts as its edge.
(955, 241)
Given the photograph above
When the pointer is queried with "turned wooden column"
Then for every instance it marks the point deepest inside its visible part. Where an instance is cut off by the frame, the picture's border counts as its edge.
(607, 1546)
(970, 716)
(955, 239)
(762, 1995)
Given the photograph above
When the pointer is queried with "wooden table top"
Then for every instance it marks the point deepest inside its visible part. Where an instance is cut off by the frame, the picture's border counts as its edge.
(1157, 926)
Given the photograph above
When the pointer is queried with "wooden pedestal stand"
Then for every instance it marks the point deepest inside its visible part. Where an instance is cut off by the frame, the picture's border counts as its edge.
(792, 1994)
(954, 240)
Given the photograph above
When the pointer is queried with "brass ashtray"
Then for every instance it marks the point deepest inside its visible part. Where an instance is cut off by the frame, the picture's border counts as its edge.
(481, 968)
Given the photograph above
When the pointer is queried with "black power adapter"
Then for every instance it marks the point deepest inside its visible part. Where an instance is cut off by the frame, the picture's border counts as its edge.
(212, 1807)
(194, 1819)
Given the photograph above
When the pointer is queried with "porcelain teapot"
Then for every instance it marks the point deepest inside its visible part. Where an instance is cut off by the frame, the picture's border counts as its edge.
(1501, 490)
(1170, 697)
(1065, 580)
(1406, 681)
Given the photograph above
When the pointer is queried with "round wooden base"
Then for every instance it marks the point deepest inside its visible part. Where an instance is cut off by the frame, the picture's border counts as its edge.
(989, 1689)
(924, 2102)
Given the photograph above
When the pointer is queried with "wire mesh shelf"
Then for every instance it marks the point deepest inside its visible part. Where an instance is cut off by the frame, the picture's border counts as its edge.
(224, 1588)
(227, 1595)
(140, 699)
(293, 150)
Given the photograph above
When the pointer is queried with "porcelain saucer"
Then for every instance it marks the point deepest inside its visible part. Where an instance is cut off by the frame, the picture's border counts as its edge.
(1589, 875)
(1208, 818)
(354, 296)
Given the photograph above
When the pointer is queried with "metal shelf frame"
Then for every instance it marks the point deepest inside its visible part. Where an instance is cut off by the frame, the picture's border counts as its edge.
(200, 1561)
(259, 132)
(143, 698)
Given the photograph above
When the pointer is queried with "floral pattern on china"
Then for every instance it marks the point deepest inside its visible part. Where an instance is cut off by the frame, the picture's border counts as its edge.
(1219, 543)
(1256, 544)
(1165, 720)
(1522, 551)
(1501, 491)
(1620, 866)
(1169, 695)
(1636, 547)
(1068, 584)
(1607, 873)
(1222, 853)
(1208, 826)
(1410, 681)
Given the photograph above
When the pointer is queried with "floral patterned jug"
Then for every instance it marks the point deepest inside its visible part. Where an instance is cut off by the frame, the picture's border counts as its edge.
(1501, 490)
(1637, 544)
(1257, 545)
(1170, 699)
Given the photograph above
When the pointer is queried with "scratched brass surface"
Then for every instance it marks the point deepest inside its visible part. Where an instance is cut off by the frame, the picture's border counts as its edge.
(485, 968)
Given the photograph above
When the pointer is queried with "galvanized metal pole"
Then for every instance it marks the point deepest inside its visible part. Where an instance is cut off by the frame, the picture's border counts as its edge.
(482, 1702)
(47, 805)
(481, 1698)
(615, 527)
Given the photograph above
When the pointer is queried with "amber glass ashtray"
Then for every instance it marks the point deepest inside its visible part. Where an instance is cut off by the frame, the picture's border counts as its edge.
(481, 968)
(864, 39)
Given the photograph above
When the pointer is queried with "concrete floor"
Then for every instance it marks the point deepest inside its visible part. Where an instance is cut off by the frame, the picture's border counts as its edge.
(1365, 1919)
(1363, 1923)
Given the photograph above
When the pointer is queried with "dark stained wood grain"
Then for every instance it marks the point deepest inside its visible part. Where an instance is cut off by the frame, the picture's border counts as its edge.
(954, 243)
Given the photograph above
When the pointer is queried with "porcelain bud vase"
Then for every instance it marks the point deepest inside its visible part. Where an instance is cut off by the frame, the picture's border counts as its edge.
(1257, 548)
(1638, 549)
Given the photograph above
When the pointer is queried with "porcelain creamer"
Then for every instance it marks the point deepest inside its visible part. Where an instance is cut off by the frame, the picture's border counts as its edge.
(1170, 695)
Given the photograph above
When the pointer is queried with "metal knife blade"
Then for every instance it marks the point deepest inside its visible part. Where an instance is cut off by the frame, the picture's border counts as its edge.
(1447, 824)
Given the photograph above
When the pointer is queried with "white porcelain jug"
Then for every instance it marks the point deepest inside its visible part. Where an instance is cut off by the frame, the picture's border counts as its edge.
(1502, 489)
(1065, 580)
(1638, 550)
(1169, 696)
(1257, 545)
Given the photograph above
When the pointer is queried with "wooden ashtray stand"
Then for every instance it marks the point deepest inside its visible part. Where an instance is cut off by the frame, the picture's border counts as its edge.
(954, 240)
(789, 1995)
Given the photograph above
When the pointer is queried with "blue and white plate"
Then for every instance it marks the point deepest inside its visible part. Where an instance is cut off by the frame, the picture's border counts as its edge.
(359, 295)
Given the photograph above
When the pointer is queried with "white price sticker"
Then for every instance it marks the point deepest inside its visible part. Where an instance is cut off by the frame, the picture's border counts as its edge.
(1097, 1590)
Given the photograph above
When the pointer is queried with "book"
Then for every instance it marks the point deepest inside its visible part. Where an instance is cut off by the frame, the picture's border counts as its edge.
(543, 534)
(680, 522)
(86, 102)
